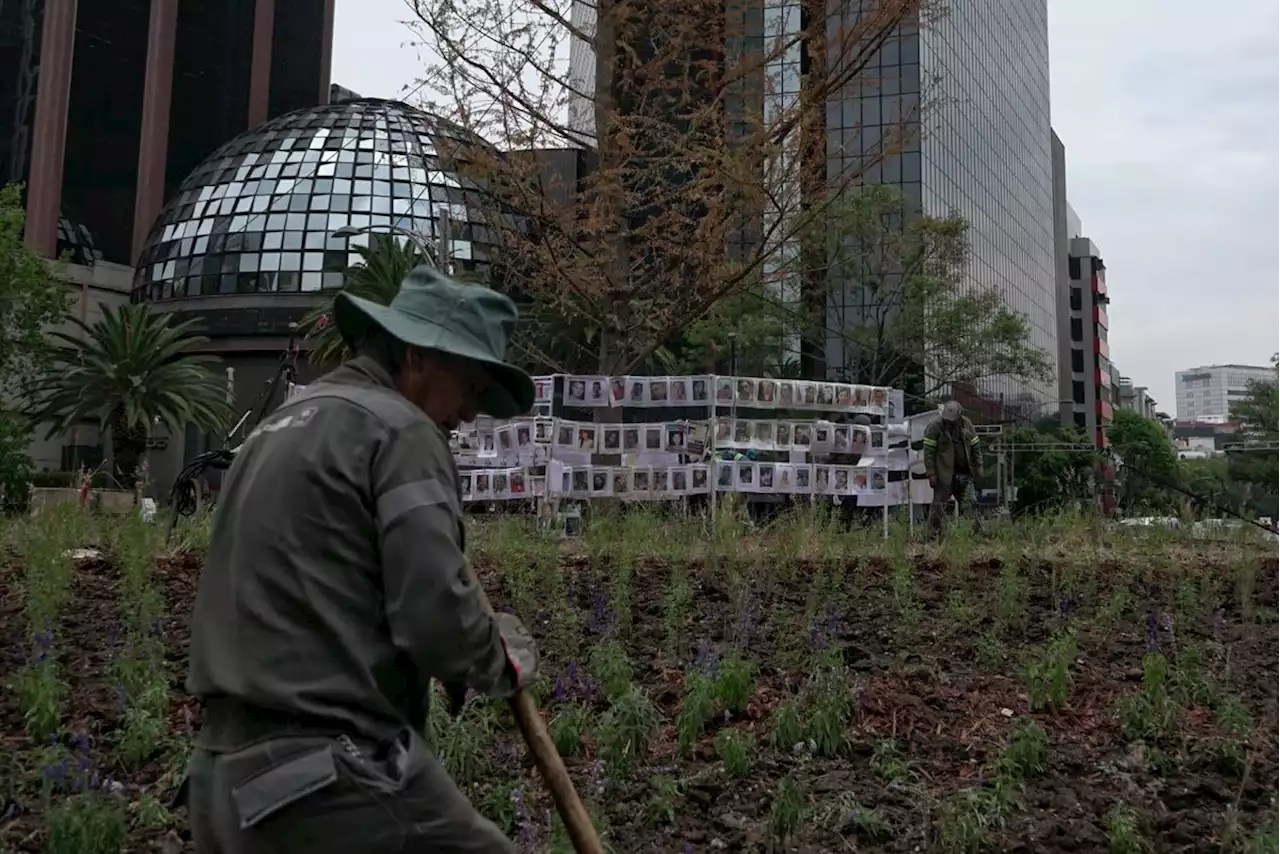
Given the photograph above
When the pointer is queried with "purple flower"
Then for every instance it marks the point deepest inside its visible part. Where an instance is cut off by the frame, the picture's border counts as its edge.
(602, 618)
(833, 622)
(1064, 603)
(560, 693)
(1166, 623)
(1219, 624)
(527, 828)
(44, 645)
(707, 660)
(1153, 642)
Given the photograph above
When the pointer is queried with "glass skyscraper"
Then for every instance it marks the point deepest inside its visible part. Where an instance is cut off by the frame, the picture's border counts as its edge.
(971, 88)
(954, 111)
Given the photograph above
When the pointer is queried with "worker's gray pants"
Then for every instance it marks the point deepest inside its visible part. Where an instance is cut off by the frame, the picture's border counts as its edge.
(323, 795)
(958, 488)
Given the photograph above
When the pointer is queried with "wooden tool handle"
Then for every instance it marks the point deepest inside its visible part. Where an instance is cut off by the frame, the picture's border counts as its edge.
(582, 833)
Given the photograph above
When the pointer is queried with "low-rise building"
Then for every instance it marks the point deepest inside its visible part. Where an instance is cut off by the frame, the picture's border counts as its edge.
(1207, 393)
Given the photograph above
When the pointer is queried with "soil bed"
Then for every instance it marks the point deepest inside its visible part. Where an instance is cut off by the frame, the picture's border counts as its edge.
(933, 658)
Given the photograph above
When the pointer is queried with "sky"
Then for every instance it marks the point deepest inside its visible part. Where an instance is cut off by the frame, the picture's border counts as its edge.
(1170, 114)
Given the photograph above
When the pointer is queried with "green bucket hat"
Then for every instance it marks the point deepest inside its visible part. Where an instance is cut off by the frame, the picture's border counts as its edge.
(436, 312)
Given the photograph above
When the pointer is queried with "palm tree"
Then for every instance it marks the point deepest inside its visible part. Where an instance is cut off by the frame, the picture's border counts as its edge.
(129, 370)
(383, 265)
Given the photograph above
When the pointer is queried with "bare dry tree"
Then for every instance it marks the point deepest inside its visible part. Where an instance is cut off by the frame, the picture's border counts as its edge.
(707, 165)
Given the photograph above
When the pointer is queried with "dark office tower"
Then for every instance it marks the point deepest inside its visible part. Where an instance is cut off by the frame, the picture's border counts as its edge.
(973, 85)
(106, 106)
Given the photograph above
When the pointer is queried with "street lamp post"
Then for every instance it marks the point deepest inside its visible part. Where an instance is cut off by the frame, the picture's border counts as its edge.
(440, 255)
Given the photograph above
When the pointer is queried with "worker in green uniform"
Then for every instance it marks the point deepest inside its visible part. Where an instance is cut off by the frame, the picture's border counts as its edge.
(335, 588)
(951, 460)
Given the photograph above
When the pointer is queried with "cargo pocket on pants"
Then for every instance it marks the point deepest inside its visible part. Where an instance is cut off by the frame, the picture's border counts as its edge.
(265, 794)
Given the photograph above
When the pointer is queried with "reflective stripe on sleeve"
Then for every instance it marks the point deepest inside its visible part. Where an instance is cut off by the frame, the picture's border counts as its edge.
(931, 443)
(410, 496)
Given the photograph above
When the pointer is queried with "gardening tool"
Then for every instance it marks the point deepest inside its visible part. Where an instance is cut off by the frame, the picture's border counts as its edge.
(534, 729)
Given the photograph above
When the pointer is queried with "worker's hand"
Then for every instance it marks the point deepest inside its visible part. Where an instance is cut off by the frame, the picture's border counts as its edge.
(457, 694)
(933, 481)
(522, 653)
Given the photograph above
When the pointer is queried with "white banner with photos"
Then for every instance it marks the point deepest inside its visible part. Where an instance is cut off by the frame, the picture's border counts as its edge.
(593, 391)
(501, 484)
(659, 457)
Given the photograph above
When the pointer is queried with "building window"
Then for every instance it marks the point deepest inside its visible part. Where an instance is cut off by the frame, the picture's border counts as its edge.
(1073, 265)
(1077, 302)
(1077, 329)
(1077, 361)
(1080, 420)
(1077, 391)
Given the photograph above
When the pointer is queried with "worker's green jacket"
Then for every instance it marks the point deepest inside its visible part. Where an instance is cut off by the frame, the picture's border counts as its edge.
(945, 448)
(334, 586)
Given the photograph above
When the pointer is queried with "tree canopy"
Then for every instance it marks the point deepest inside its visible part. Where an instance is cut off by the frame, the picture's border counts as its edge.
(384, 263)
(1149, 474)
(1253, 465)
(907, 312)
(31, 296)
(131, 370)
(703, 169)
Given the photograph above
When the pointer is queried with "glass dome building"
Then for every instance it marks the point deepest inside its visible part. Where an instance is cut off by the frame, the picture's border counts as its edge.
(259, 215)
(271, 218)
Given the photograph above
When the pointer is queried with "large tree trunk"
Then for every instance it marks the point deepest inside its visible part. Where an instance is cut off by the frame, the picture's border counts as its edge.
(813, 191)
(610, 195)
(128, 444)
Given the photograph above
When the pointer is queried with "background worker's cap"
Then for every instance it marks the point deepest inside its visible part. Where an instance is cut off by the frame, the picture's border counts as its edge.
(951, 411)
(436, 312)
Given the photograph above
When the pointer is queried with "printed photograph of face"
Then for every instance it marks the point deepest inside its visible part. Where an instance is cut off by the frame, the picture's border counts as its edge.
(699, 393)
(577, 391)
(766, 475)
